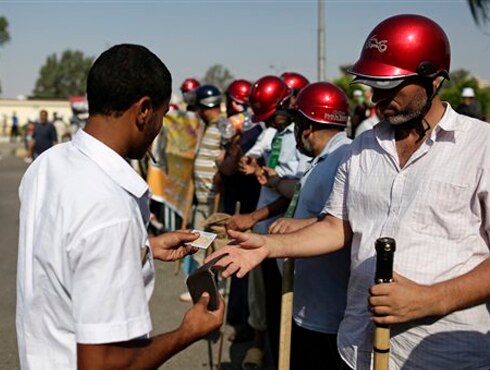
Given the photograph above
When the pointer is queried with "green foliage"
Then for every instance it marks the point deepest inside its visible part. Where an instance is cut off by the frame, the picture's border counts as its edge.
(459, 79)
(344, 83)
(4, 33)
(218, 76)
(60, 78)
(480, 10)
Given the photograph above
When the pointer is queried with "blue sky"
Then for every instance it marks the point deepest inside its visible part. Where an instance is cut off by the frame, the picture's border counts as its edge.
(250, 38)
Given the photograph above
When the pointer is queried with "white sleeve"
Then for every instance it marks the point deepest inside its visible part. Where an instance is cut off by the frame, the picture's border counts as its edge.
(337, 202)
(108, 294)
(263, 143)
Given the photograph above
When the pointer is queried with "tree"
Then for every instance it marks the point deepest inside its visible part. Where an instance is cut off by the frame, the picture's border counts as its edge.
(4, 35)
(63, 77)
(218, 76)
(480, 10)
(344, 82)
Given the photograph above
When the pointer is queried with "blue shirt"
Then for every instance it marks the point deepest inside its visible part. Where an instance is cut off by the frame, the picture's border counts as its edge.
(320, 283)
(291, 165)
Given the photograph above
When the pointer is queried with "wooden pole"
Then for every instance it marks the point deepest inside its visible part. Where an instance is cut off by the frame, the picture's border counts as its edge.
(286, 314)
(185, 219)
(226, 297)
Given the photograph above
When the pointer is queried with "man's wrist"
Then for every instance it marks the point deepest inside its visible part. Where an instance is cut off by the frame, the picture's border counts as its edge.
(274, 182)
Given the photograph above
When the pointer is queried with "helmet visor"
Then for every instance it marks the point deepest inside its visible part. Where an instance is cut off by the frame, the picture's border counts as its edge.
(378, 84)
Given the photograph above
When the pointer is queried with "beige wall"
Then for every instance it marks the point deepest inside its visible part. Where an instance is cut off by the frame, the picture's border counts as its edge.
(30, 108)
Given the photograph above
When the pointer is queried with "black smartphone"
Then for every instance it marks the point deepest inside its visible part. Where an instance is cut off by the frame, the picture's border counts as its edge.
(204, 280)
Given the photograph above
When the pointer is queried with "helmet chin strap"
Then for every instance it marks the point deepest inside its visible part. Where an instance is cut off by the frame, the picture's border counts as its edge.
(431, 94)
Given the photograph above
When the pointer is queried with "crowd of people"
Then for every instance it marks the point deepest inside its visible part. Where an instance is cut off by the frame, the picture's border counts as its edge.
(299, 171)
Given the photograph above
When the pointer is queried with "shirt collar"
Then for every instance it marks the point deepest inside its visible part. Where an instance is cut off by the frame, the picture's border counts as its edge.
(334, 143)
(449, 121)
(289, 128)
(111, 163)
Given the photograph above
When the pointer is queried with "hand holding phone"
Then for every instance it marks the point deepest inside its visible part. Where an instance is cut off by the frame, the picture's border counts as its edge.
(204, 280)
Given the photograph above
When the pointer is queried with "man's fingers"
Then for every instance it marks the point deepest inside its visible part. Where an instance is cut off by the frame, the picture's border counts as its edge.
(224, 250)
(384, 320)
(232, 268)
(380, 289)
(381, 310)
(203, 300)
(238, 235)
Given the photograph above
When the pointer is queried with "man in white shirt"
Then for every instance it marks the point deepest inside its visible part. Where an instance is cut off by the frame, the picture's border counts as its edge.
(422, 177)
(85, 266)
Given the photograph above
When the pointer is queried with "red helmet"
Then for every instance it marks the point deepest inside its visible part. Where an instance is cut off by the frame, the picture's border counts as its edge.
(172, 107)
(294, 80)
(189, 84)
(267, 95)
(239, 90)
(402, 46)
(325, 103)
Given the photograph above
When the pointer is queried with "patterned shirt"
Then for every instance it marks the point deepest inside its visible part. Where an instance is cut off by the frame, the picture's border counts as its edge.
(437, 209)
(205, 163)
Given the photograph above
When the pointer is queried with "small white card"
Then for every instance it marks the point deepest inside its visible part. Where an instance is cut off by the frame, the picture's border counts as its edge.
(204, 241)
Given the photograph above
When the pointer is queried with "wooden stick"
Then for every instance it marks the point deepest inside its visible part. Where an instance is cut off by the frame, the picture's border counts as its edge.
(226, 297)
(185, 219)
(286, 314)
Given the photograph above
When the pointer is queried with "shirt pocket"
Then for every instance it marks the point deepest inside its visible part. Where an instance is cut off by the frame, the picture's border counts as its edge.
(440, 209)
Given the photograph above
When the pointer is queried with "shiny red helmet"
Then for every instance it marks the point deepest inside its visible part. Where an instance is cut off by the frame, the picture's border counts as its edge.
(323, 102)
(295, 81)
(189, 84)
(267, 95)
(173, 107)
(402, 46)
(239, 90)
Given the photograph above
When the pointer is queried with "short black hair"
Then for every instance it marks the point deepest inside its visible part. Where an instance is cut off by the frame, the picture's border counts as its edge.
(122, 75)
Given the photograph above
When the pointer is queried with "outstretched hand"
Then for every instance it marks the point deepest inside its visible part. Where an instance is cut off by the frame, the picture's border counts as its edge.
(289, 225)
(247, 251)
(171, 246)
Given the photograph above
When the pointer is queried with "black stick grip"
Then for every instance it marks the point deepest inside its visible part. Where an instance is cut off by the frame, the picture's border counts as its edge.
(385, 250)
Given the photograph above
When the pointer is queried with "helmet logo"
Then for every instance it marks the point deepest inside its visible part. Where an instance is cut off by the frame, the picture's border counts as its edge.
(335, 116)
(373, 42)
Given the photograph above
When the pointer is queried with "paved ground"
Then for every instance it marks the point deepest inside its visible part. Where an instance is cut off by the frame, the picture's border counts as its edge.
(166, 309)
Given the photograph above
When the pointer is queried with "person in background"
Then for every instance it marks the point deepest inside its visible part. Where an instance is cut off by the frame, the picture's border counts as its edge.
(320, 283)
(238, 188)
(44, 135)
(470, 106)
(269, 100)
(14, 128)
(207, 103)
(86, 264)
(295, 81)
(188, 96)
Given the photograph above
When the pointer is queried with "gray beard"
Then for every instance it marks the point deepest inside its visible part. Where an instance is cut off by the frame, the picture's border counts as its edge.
(409, 114)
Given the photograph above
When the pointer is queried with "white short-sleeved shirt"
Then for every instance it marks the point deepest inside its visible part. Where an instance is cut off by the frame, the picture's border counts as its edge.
(291, 165)
(263, 143)
(437, 209)
(320, 283)
(82, 276)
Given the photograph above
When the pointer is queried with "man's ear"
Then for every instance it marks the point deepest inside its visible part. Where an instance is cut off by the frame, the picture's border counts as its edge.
(143, 111)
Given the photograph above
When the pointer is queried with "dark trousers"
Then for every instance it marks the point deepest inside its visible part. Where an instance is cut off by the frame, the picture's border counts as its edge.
(311, 350)
(273, 288)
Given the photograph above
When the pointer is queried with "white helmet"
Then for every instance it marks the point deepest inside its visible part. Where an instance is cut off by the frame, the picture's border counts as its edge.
(468, 92)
